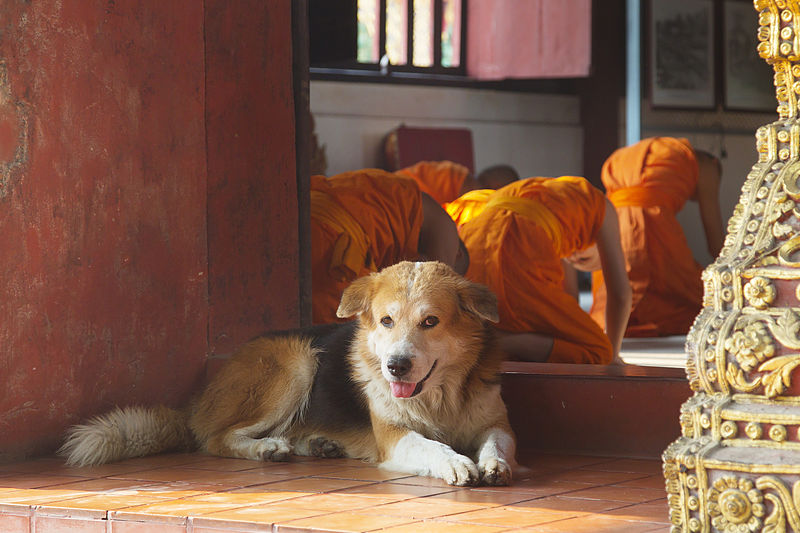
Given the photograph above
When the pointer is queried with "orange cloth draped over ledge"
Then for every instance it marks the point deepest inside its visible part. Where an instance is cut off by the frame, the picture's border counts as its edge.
(648, 183)
(516, 244)
(361, 221)
(442, 180)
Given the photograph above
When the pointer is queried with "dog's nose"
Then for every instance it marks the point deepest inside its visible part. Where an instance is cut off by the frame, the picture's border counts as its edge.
(399, 366)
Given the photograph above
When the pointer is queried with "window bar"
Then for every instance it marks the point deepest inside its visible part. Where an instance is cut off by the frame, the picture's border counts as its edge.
(437, 33)
(410, 32)
(382, 30)
(462, 31)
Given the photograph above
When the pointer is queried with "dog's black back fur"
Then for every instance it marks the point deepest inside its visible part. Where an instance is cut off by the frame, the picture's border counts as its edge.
(336, 402)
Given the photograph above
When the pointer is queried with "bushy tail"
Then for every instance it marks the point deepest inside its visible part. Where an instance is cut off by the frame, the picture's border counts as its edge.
(127, 432)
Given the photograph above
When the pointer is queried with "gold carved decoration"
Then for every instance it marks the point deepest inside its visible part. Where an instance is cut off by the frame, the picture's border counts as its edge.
(736, 465)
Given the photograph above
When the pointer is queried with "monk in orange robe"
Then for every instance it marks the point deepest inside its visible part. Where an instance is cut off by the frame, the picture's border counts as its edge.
(442, 180)
(648, 183)
(445, 181)
(365, 220)
(517, 238)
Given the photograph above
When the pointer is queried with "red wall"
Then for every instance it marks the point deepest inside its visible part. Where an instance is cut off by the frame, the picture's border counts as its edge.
(147, 207)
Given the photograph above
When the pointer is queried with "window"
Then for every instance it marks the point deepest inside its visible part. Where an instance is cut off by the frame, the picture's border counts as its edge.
(402, 36)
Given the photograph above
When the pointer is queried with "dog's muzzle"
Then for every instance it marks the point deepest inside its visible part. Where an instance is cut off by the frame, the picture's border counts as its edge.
(403, 389)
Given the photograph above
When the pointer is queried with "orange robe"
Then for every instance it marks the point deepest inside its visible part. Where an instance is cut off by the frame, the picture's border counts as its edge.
(516, 243)
(648, 183)
(361, 221)
(442, 180)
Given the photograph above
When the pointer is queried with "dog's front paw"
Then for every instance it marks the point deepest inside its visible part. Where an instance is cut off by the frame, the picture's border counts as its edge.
(322, 447)
(459, 470)
(495, 471)
(274, 449)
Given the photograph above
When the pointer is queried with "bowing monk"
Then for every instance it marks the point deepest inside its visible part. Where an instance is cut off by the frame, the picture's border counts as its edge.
(445, 181)
(517, 238)
(648, 183)
(365, 220)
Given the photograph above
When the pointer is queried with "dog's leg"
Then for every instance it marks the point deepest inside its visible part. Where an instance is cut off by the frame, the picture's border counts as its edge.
(495, 456)
(414, 454)
(241, 442)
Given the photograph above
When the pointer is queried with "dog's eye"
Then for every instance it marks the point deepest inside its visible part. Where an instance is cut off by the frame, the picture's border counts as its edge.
(387, 321)
(429, 322)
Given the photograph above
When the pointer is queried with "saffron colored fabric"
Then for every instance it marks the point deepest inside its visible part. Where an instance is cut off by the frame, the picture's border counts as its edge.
(442, 180)
(361, 221)
(648, 183)
(516, 243)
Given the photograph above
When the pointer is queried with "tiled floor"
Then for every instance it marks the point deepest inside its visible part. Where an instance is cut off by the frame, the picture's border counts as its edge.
(201, 494)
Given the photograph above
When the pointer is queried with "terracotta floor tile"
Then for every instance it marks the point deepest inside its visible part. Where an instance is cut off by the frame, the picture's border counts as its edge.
(224, 479)
(315, 484)
(243, 497)
(184, 507)
(69, 512)
(657, 511)
(68, 524)
(416, 508)
(130, 526)
(33, 466)
(16, 523)
(102, 484)
(365, 474)
(32, 481)
(590, 524)
(225, 464)
(539, 487)
(572, 506)
(39, 496)
(623, 494)
(640, 466)
(506, 516)
(395, 491)
(333, 502)
(303, 469)
(594, 477)
(107, 501)
(341, 522)
(432, 526)
(166, 460)
(649, 482)
(263, 515)
(478, 498)
(559, 462)
(423, 481)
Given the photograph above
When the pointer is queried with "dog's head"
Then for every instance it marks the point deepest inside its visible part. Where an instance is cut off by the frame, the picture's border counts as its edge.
(421, 321)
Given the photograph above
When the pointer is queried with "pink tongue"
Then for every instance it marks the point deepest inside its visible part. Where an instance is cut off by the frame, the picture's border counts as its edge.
(401, 389)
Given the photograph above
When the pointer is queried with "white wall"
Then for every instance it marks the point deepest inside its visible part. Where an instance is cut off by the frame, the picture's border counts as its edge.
(537, 134)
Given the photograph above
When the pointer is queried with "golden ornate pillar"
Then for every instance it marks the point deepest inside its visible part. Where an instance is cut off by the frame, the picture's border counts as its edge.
(736, 468)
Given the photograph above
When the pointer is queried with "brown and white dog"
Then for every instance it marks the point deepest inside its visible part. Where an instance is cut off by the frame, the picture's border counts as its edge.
(412, 384)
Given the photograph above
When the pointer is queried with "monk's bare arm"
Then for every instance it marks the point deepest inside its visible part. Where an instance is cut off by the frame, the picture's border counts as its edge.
(618, 287)
(708, 201)
(570, 280)
(533, 347)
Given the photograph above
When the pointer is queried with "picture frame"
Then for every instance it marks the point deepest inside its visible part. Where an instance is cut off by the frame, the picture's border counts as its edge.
(746, 76)
(682, 69)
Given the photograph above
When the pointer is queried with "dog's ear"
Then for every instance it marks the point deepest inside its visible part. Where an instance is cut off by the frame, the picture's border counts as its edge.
(479, 300)
(355, 298)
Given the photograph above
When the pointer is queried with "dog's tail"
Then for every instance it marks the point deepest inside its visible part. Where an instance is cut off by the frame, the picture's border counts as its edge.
(127, 432)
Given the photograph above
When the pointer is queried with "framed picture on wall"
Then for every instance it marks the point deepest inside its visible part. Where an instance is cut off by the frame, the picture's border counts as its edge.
(681, 64)
(748, 82)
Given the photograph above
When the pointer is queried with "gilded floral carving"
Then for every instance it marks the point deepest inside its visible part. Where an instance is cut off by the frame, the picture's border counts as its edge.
(750, 345)
(735, 505)
(759, 292)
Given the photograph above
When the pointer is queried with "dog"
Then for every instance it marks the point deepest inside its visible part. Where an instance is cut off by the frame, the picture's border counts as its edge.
(411, 383)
